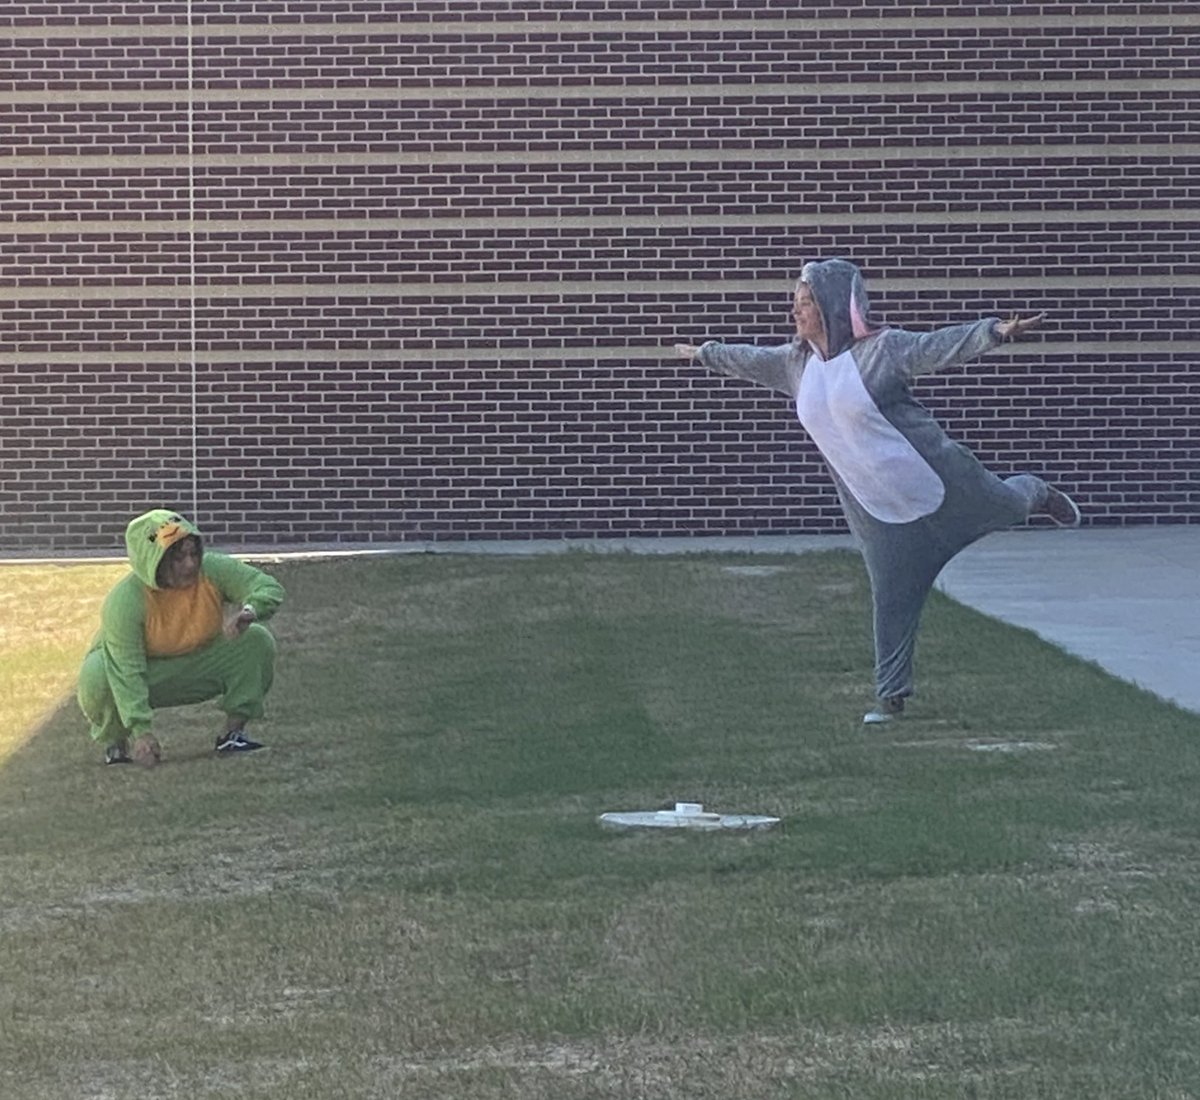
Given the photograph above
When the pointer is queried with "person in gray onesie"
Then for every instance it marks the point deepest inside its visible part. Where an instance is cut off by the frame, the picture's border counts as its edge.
(912, 497)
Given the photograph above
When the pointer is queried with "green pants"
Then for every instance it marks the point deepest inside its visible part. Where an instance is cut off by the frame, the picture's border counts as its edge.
(239, 671)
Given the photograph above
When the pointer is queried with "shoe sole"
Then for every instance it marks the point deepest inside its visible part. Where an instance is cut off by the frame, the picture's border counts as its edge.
(1063, 510)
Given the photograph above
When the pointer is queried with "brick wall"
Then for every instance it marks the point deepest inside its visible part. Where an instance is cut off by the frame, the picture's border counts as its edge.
(342, 270)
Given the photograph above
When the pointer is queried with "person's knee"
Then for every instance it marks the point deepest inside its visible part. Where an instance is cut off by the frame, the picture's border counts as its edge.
(258, 641)
(93, 690)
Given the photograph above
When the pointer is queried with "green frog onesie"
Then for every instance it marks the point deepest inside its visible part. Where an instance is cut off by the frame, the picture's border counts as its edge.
(163, 638)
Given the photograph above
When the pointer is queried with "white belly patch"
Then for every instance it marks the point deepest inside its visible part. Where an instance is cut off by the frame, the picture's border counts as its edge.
(883, 471)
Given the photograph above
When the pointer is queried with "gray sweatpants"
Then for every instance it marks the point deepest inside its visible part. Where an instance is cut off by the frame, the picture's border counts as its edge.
(904, 560)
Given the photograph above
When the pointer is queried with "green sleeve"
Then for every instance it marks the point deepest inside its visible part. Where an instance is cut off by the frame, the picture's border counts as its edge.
(242, 584)
(123, 639)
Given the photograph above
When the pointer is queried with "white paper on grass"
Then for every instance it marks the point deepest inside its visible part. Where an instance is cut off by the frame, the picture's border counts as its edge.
(686, 815)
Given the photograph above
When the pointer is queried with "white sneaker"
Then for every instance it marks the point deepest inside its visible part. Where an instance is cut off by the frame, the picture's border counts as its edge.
(889, 710)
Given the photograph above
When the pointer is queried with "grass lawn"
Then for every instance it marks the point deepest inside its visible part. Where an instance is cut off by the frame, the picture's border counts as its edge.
(409, 896)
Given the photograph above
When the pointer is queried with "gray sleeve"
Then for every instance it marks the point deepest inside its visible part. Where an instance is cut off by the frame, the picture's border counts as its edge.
(777, 368)
(944, 347)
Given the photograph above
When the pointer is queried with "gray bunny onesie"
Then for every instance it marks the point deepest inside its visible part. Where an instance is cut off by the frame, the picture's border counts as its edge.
(913, 498)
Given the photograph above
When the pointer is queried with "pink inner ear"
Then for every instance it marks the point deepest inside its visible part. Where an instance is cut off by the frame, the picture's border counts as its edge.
(857, 324)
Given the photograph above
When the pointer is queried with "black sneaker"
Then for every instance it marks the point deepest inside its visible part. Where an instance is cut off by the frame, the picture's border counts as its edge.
(117, 753)
(236, 741)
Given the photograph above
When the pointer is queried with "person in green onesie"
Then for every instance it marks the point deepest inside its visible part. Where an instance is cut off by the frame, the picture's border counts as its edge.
(184, 626)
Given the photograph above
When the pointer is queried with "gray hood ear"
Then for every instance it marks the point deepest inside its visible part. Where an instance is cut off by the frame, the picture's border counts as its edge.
(841, 295)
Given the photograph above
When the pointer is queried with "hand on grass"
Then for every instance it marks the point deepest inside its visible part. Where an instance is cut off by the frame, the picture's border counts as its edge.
(147, 751)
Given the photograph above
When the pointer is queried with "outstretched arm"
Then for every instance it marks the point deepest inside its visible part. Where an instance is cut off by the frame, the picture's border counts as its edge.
(777, 368)
(955, 344)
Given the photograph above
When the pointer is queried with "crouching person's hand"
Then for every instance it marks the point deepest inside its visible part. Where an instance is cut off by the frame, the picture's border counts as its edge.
(147, 751)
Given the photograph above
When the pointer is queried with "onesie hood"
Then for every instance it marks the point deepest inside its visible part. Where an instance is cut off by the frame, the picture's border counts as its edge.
(150, 536)
(841, 295)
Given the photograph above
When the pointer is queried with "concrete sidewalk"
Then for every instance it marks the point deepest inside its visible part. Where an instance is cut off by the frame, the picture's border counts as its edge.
(1127, 598)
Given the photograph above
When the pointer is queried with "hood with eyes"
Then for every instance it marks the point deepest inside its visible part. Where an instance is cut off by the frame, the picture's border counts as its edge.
(150, 536)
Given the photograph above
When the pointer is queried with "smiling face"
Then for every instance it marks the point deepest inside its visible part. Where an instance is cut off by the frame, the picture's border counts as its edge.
(180, 566)
(809, 324)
